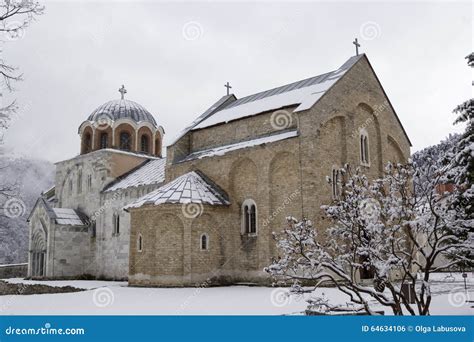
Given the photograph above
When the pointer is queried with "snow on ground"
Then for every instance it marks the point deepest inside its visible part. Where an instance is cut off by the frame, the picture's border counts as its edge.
(116, 298)
(80, 284)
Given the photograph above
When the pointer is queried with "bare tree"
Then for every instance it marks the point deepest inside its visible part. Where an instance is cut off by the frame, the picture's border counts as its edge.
(15, 17)
(381, 227)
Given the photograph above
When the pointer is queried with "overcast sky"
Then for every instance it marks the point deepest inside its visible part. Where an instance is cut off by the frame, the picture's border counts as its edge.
(174, 59)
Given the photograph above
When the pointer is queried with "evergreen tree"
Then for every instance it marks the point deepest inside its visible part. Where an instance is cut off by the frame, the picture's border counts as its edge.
(461, 173)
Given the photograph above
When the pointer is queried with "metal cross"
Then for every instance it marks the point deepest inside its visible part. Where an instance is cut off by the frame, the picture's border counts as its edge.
(357, 45)
(122, 91)
(227, 85)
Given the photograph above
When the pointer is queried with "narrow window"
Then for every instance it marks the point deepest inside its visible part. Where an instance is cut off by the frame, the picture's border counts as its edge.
(140, 243)
(89, 182)
(70, 186)
(79, 181)
(335, 183)
(103, 140)
(125, 141)
(204, 242)
(253, 219)
(116, 221)
(144, 144)
(249, 217)
(364, 148)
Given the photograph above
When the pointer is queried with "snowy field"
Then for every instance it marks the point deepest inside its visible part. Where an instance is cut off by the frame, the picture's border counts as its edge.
(116, 298)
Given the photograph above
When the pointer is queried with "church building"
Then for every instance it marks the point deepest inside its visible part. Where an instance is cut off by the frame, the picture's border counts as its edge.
(206, 212)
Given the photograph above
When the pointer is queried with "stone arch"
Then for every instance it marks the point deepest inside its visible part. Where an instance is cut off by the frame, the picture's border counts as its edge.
(87, 140)
(38, 249)
(395, 153)
(168, 236)
(284, 187)
(125, 128)
(244, 180)
(334, 136)
(204, 262)
(100, 133)
(146, 132)
(367, 119)
(64, 194)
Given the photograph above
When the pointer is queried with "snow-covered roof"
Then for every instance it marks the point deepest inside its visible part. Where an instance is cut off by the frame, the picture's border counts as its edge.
(70, 217)
(118, 109)
(192, 187)
(221, 150)
(303, 94)
(129, 153)
(150, 172)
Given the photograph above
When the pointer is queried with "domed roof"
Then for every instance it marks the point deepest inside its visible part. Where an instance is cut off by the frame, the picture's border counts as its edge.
(120, 109)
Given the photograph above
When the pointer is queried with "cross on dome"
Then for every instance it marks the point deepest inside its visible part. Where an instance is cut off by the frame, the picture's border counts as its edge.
(122, 91)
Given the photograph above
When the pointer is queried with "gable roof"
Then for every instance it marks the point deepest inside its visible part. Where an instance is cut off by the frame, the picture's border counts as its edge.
(304, 94)
(149, 172)
(221, 150)
(69, 217)
(62, 216)
(192, 187)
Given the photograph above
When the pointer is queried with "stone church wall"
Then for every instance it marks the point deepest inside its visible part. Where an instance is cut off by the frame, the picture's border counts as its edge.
(232, 257)
(111, 251)
(283, 178)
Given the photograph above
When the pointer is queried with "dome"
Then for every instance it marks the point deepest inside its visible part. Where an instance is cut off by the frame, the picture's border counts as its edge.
(121, 109)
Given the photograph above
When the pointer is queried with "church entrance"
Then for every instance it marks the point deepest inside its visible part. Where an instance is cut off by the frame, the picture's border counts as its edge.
(38, 264)
(38, 251)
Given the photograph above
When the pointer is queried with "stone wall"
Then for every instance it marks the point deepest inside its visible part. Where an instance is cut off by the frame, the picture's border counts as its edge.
(13, 271)
(73, 251)
(111, 254)
(283, 178)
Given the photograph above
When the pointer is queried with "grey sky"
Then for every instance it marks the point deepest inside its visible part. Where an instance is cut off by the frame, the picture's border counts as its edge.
(76, 56)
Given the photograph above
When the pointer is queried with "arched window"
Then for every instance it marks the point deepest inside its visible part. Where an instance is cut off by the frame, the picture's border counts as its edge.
(364, 148)
(116, 221)
(204, 243)
(144, 144)
(87, 143)
(249, 217)
(125, 141)
(335, 183)
(140, 243)
(104, 137)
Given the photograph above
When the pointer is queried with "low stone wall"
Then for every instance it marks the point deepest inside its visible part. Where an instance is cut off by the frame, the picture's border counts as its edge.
(13, 271)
